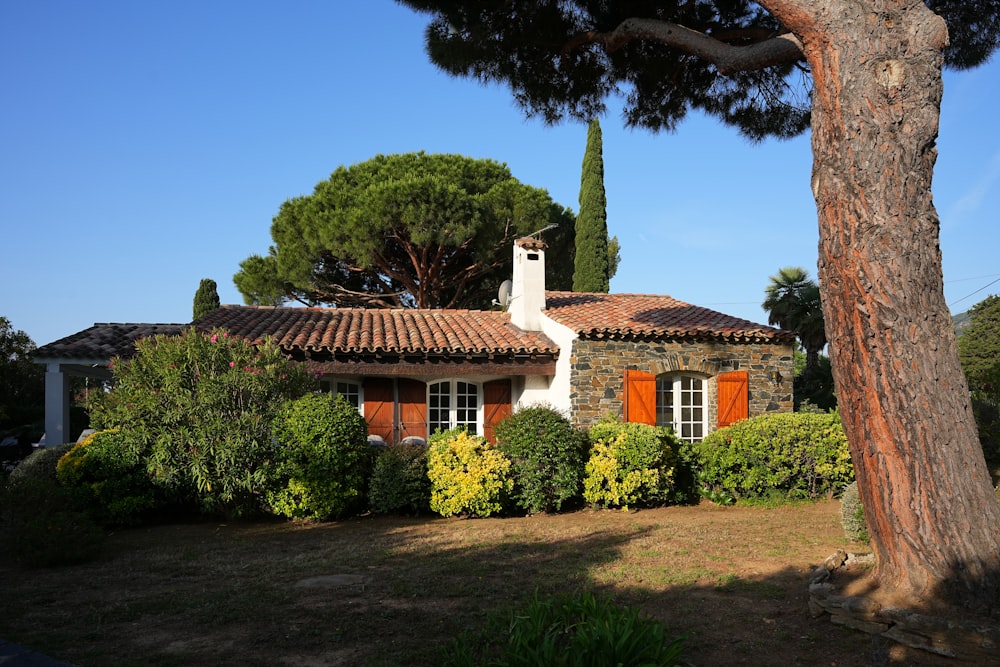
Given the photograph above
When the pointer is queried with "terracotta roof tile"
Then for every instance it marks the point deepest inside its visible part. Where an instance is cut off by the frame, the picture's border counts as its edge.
(650, 315)
(360, 330)
(104, 341)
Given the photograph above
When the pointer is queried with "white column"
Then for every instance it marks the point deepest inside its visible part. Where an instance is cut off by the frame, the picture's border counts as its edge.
(56, 406)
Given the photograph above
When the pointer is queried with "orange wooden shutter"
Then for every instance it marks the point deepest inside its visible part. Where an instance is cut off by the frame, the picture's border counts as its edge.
(734, 397)
(496, 406)
(379, 407)
(640, 397)
(412, 408)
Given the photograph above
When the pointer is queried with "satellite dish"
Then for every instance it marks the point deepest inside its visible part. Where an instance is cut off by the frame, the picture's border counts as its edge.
(503, 294)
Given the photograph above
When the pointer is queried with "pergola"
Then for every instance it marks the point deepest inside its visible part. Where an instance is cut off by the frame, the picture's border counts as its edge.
(85, 354)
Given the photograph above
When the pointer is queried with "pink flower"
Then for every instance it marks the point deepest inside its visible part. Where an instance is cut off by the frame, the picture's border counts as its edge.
(232, 364)
(215, 338)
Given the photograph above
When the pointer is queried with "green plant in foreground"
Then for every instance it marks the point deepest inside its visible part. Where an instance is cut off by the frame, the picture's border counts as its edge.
(577, 630)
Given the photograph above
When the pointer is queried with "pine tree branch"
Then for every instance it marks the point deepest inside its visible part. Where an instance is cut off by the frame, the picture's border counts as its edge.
(779, 49)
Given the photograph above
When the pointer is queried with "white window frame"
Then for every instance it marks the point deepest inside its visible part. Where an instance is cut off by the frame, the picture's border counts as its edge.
(456, 415)
(683, 418)
(340, 386)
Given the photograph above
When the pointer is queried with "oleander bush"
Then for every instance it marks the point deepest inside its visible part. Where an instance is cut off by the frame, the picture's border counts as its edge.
(468, 475)
(197, 409)
(776, 457)
(399, 480)
(630, 465)
(106, 478)
(547, 457)
(324, 459)
(575, 630)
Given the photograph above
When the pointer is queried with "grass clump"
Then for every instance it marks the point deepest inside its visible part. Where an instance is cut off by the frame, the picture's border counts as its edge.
(572, 630)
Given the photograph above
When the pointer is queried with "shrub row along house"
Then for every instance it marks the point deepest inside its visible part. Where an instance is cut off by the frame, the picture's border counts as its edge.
(410, 372)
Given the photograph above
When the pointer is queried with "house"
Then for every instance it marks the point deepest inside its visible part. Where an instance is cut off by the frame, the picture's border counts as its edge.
(644, 358)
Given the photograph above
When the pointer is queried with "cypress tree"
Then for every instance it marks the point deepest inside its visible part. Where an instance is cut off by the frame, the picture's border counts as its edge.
(591, 269)
(206, 299)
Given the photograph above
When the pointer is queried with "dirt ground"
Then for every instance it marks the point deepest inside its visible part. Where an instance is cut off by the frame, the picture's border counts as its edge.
(394, 590)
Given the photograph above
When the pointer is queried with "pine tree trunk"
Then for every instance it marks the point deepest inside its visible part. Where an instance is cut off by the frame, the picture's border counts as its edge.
(935, 522)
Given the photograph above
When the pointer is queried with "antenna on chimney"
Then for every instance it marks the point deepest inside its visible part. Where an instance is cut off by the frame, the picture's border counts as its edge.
(544, 229)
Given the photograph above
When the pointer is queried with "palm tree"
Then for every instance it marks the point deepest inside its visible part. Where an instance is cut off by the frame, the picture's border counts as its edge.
(792, 302)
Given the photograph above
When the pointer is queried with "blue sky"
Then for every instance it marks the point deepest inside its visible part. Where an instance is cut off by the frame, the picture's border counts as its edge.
(147, 145)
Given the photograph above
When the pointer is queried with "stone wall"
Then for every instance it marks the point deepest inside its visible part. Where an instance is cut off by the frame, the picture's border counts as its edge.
(969, 642)
(598, 370)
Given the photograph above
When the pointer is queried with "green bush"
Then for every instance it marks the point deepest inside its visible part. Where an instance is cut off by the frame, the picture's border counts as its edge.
(39, 525)
(630, 465)
(852, 514)
(197, 409)
(578, 630)
(106, 478)
(779, 456)
(468, 476)
(399, 481)
(324, 458)
(546, 455)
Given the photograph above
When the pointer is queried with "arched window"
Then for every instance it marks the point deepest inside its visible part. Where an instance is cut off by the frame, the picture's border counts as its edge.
(681, 403)
(452, 403)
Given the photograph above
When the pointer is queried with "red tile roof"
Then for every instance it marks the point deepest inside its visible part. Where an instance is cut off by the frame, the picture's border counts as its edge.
(454, 333)
(103, 341)
(651, 316)
(374, 330)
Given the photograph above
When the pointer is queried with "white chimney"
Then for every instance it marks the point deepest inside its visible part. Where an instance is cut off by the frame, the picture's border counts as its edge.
(528, 291)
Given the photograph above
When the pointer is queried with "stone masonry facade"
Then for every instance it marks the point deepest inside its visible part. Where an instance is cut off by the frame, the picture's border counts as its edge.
(598, 369)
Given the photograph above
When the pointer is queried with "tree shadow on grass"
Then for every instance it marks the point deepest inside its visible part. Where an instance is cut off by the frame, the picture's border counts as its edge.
(394, 591)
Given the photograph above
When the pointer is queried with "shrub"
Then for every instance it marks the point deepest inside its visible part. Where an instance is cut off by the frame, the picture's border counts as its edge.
(106, 478)
(399, 480)
(546, 455)
(567, 631)
(467, 475)
(630, 464)
(852, 514)
(39, 525)
(324, 458)
(789, 456)
(198, 409)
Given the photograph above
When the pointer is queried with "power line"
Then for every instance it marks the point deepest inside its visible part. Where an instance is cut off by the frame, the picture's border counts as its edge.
(950, 305)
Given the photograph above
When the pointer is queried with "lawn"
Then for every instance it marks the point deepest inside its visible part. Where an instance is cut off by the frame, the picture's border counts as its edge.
(392, 591)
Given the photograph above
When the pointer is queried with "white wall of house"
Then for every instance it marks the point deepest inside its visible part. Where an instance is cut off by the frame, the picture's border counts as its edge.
(556, 390)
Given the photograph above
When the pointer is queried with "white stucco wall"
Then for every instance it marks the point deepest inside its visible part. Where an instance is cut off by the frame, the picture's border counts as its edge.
(552, 390)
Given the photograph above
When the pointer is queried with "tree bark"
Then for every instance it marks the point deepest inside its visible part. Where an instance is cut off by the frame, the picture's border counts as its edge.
(932, 513)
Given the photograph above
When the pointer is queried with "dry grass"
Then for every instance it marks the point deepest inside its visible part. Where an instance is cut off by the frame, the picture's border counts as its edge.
(255, 593)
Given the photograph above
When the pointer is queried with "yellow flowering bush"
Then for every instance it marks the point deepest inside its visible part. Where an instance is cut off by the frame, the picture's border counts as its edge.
(106, 478)
(630, 464)
(468, 476)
